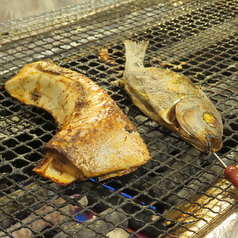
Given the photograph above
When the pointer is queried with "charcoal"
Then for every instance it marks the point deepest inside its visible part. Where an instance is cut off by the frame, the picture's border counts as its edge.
(99, 224)
(117, 233)
(49, 215)
(17, 201)
(195, 185)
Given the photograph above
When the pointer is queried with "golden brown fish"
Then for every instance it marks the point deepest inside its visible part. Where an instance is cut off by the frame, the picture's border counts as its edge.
(172, 100)
(94, 138)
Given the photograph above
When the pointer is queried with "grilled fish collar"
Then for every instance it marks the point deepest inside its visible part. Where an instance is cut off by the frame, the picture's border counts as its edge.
(94, 138)
(172, 100)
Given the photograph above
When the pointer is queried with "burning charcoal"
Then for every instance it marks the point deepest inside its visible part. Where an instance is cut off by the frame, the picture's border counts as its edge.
(191, 157)
(139, 217)
(18, 200)
(161, 186)
(94, 191)
(194, 185)
(141, 119)
(96, 198)
(175, 175)
(231, 157)
(203, 179)
(100, 224)
(144, 219)
(49, 216)
(3, 185)
(117, 233)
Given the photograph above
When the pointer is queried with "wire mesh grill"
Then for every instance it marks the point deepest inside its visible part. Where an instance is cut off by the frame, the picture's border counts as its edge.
(178, 193)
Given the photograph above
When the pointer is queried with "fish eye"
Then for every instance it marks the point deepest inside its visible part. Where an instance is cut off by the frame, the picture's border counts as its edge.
(210, 119)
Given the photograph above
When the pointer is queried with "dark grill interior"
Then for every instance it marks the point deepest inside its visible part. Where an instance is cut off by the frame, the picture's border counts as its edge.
(164, 198)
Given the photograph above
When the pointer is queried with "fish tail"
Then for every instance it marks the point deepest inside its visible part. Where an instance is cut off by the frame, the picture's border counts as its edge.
(135, 54)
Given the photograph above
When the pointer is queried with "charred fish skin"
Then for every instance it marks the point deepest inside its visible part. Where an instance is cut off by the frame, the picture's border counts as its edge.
(172, 100)
(94, 139)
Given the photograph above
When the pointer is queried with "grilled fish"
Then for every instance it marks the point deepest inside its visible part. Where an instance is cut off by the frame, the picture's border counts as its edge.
(94, 139)
(172, 100)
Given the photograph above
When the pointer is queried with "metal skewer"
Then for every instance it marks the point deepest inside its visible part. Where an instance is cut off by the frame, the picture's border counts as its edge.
(220, 160)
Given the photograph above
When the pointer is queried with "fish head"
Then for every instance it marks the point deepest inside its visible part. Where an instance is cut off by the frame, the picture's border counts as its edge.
(198, 122)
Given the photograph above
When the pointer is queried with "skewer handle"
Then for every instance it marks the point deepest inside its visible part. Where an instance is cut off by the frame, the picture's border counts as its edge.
(231, 174)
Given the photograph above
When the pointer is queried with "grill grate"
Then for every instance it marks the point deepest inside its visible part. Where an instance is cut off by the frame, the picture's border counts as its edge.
(180, 191)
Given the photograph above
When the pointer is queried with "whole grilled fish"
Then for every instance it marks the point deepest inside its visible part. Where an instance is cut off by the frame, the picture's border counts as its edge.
(172, 100)
(94, 139)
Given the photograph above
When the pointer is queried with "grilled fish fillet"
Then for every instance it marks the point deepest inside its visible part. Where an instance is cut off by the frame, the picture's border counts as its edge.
(94, 139)
(172, 100)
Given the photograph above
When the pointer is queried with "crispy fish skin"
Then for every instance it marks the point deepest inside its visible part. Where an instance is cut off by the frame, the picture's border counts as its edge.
(94, 139)
(172, 100)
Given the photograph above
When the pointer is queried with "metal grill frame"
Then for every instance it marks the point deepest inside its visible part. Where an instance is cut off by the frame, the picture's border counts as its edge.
(200, 33)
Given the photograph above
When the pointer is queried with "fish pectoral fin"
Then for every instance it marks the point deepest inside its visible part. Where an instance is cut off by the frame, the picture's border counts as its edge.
(169, 115)
(142, 94)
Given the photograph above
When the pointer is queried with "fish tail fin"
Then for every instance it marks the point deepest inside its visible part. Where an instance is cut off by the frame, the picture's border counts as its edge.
(135, 54)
